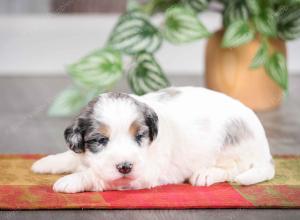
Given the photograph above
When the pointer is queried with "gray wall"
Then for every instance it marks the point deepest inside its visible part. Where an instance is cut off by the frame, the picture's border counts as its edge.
(24, 6)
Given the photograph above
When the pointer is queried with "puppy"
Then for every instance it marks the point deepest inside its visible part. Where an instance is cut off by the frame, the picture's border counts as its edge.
(122, 141)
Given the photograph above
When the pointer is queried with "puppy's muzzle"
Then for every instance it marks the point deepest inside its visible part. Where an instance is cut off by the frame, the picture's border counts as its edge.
(124, 167)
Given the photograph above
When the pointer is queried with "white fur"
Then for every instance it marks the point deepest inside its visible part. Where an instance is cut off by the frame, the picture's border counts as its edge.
(189, 145)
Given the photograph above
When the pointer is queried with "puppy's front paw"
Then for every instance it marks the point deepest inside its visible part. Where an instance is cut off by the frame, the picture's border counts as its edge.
(72, 183)
(78, 182)
(207, 177)
(46, 165)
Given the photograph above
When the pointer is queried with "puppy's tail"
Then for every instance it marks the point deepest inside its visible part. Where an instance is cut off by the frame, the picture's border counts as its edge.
(259, 172)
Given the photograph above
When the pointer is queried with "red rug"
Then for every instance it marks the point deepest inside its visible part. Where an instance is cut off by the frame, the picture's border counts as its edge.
(22, 189)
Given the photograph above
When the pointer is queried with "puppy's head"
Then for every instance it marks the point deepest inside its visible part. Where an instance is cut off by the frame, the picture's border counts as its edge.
(114, 133)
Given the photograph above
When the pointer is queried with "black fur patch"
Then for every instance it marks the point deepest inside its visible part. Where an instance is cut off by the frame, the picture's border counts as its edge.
(75, 133)
(235, 131)
(74, 139)
(151, 121)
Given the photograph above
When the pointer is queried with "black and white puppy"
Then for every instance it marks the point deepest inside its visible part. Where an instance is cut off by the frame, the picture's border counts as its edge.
(122, 141)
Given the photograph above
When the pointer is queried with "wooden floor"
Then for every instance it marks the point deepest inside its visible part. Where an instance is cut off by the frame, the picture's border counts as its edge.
(26, 128)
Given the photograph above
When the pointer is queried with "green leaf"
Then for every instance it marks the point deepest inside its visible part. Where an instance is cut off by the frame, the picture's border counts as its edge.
(237, 33)
(253, 6)
(261, 56)
(99, 70)
(265, 23)
(197, 5)
(234, 10)
(289, 23)
(155, 6)
(277, 69)
(182, 25)
(146, 75)
(134, 33)
(70, 101)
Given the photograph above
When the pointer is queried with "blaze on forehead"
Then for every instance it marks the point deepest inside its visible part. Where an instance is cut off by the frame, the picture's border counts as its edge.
(149, 116)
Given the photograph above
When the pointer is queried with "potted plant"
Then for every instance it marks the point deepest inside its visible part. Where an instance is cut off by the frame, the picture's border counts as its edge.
(246, 59)
(131, 46)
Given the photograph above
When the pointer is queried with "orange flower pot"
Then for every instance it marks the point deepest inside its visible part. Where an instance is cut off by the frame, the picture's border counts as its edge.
(227, 70)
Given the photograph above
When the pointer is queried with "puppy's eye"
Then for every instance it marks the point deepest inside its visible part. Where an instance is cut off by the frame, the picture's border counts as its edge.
(103, 140)
(97, 144)
(139, 137)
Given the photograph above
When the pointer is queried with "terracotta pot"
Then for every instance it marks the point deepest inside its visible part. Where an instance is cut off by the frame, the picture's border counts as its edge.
(227, 70)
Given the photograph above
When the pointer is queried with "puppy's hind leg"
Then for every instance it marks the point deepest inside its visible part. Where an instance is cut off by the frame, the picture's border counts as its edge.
(66, 162)
(259, 166)
(258, 173)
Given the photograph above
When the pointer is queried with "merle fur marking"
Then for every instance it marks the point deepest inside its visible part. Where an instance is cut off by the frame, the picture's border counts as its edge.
(118, 95)
(235, 131)
(75, 133)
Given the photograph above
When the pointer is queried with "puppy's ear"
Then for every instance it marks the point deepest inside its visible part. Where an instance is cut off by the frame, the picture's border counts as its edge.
(151, 120)
(74, 135)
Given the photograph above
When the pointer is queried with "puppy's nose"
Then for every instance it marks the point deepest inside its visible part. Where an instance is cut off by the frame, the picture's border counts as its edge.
(124, 167)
